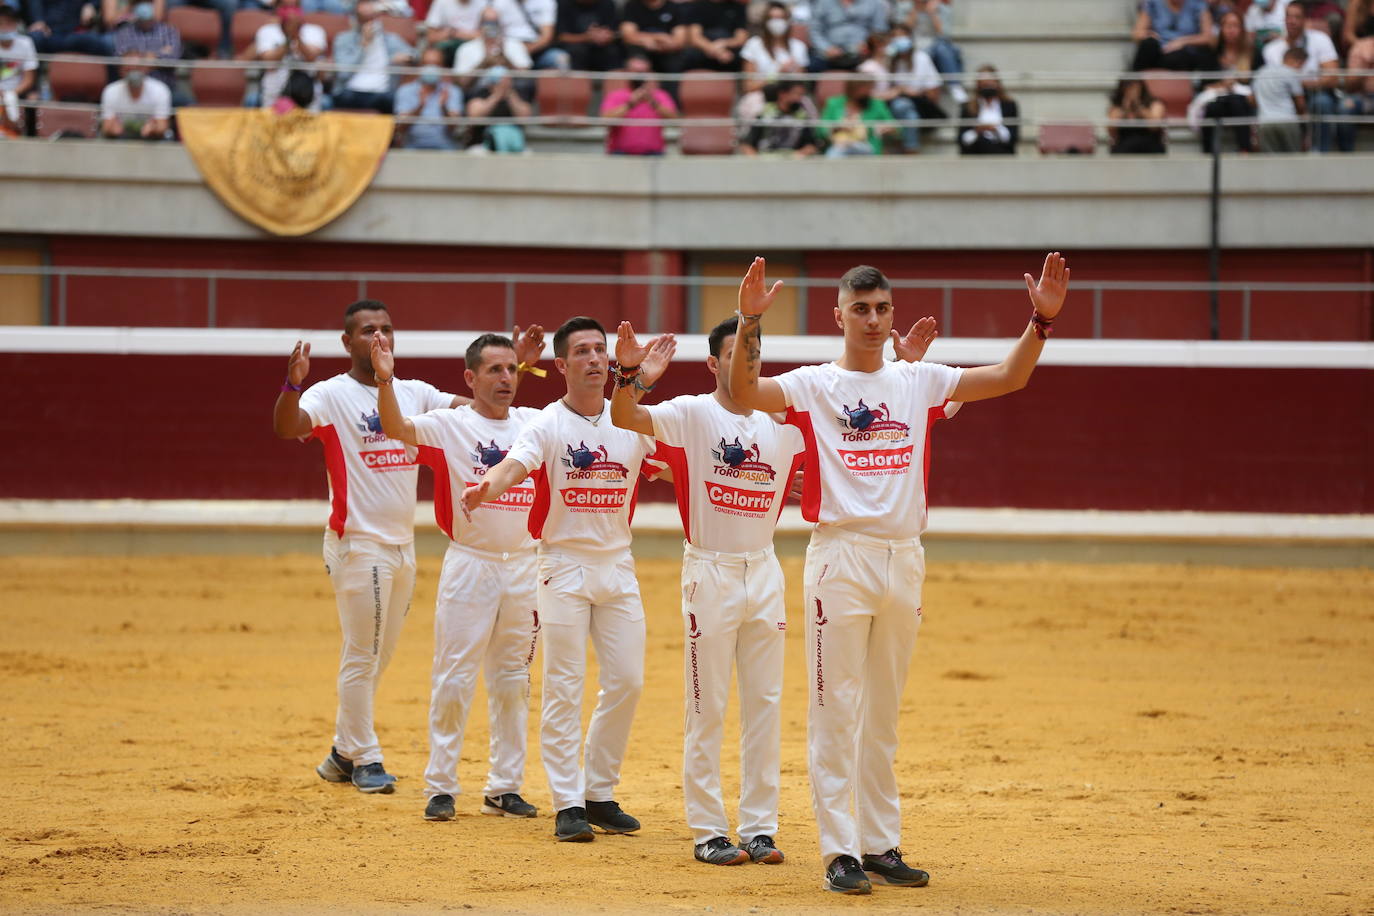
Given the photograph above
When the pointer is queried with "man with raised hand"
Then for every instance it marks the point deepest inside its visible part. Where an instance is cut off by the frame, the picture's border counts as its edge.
(865, 423)
(485, 619)
(586, 472)
(369, 550)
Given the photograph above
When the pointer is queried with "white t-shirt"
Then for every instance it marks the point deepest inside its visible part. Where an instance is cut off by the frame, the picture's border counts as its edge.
(919, 80)
(730, 472)
(586, 478)
(1257, 20)
(515, 24)
(154, 100)
(766, 64)
(1319, 47)
(371, 75)
(16, 60)
(456, 14)
(270, 37)
(371, 478)
(866, 435)
(471, 54)
(461, 445)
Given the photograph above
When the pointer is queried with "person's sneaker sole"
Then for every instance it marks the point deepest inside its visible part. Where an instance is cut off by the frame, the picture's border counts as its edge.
(880, 878)
(611, 831)
(386, 789)
(329, 771)
(740, 859)
(585, 836)
(774, 857)
(861, 889)
(492, 811)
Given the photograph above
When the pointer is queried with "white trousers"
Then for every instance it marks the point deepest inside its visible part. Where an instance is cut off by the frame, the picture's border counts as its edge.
(373, 583)
(485, 620)
(582, 596)
(863, 609)
(734, 615)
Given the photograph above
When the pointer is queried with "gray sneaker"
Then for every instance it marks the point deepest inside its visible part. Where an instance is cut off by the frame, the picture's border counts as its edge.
(370, 778)
(335, 768)
(570, 826)
(508, 805)
(720, 851)
(761, 849)
(846, 876)
(888, 868)
(440, 808)
(608, 816)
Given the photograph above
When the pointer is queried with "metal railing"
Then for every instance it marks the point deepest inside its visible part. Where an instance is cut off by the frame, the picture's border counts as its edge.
(944, 290)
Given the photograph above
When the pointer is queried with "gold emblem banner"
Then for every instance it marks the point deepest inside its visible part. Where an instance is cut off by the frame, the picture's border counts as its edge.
(288, 174)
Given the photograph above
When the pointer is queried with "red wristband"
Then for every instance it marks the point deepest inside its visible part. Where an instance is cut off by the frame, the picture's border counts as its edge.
(1043, 326)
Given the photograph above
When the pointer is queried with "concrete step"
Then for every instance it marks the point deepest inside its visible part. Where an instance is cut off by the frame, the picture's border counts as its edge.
(993, 16)
(1048, 54)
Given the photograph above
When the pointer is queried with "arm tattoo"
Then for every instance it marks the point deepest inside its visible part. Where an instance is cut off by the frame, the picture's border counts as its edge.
(751, 341)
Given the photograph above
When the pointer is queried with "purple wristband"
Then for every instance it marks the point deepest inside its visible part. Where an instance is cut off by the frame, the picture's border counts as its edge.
(287, 386)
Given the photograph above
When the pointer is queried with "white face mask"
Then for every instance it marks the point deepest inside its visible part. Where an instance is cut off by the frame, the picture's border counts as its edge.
(778, 27)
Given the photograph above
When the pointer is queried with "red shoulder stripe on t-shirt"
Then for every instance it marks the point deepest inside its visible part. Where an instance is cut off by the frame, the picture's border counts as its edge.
(434, 457)
(539, 511)
(811, 483)
(338, 475)
(676, 459)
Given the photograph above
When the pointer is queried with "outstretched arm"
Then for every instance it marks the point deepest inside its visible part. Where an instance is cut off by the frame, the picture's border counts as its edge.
(746, 387)
(638, 367)
(288, 420)
(1012, 373)
(507, 474)
(394, 423)
(912, 348)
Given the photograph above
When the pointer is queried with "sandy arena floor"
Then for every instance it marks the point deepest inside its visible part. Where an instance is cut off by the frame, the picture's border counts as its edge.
(1076, 739)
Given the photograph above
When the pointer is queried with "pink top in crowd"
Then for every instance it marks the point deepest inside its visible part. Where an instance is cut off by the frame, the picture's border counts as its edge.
(634, 139)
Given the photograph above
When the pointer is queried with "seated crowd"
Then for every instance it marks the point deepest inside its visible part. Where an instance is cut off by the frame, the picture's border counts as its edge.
(1274, 61)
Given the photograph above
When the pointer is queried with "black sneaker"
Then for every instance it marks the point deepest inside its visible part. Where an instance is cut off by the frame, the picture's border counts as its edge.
(608, 816)
(570, 826)
(720, 851)
(761, 849)
(889, 868)
(335, 768)
(846, 877)
(508, 805)
(371, 777)
(440, 808)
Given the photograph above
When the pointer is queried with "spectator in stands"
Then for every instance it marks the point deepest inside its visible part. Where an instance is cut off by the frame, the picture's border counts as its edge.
(1359, 23)
(909, 83)
(494, 48)
(658, 30)
(841, 32)
(1328, 12)
(1174, 35)
(287, 43)
(59, 26)
(990, 135)
(1319, 69)
(1281, 97)
(767, 55)
(643, 101)
(532, 22)
(772, 134)
(115, 13)
(589, 30)
(1132, 102)
(145, 33)
(18, 71)
(860, 121)
(135, 107)
(494, 96)
(430, 96)
(299, 93)
(226, 10)
(1230, 96)
(365, 51)
(716, 35)
(1359, 91)
(1264, 20)
(928, 23)
(452, 22)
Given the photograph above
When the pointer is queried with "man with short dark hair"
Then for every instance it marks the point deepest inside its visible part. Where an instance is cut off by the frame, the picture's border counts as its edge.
(1319, 69)
(485, 618)
(586, 478)
(369, 550)
(135, 107)
(866, 422)
(365, 52)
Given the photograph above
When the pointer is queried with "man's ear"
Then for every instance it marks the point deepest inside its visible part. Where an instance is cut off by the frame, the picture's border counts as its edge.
(839, 320)
(345, 338)
(560, 364)
(469, 376)
(713, 364)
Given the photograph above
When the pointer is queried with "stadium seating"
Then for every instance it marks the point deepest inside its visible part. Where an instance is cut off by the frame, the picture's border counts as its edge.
(1176, 94)
(245, 25)
(199, 28)
(706, 98)
(1077, 139)
(707, 141)
(70, 122)
(406, 29)
(219, 87)
(77, 79)
(332, 23)
(564, 98)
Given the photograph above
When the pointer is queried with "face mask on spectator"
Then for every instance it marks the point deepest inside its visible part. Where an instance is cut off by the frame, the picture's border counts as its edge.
(900, 45)
(429, 75)
(988, 92)
(134, 79)
(777, 27)
(491, 29)
(491, 77)
(143, 12)
(7, 37)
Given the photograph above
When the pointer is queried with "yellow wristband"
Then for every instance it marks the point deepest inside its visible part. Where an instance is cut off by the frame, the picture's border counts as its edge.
(526, 367)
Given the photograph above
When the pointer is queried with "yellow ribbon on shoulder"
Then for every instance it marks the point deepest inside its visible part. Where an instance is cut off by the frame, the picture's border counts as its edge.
(289, 174)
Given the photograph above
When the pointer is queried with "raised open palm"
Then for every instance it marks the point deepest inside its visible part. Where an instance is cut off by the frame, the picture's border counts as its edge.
(1048, 295)
(755, 296)
(298, 366)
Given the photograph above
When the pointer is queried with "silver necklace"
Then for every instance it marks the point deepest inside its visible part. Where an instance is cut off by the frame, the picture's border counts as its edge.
(592, 420)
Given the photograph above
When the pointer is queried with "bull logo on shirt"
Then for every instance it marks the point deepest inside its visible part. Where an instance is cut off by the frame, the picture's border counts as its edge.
(584, 463)
(863, 423)
(582, 457)
(489, 456)
(372, 423)
(734, 459)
